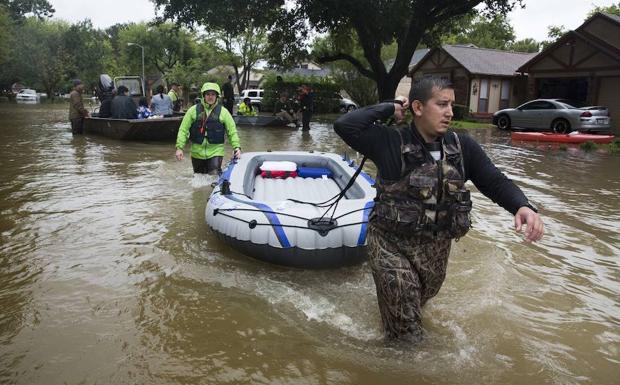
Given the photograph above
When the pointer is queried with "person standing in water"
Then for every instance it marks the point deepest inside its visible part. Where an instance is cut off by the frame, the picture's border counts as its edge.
(206, 124)
(422, 203)
(77, 112)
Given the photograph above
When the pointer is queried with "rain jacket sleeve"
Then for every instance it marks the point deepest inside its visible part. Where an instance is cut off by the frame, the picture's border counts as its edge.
(231, 128)
(186, 123)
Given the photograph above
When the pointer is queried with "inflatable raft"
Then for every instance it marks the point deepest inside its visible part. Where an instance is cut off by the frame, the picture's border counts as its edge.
(574, 138)
(293, 208)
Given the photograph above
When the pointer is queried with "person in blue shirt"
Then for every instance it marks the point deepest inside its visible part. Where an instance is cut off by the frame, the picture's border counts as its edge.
(143, 109)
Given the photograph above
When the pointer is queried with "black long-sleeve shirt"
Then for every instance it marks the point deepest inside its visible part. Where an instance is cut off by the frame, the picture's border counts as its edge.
(382, 145)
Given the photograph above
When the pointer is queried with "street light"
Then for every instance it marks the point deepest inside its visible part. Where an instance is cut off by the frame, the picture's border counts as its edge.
(143, 83)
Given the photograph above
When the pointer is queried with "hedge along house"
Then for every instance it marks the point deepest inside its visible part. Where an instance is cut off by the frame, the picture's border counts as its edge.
(583, 65)
(485, 80)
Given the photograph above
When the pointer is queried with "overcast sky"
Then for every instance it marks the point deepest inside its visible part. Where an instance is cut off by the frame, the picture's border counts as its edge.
(529, 22)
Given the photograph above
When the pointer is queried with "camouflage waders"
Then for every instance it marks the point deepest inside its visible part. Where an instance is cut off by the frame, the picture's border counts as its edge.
(407, 273)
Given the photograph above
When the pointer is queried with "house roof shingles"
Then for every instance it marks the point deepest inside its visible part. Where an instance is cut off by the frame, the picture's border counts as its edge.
(484, 61)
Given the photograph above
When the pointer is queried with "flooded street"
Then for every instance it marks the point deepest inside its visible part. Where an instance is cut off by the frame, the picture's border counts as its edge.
(109, 275)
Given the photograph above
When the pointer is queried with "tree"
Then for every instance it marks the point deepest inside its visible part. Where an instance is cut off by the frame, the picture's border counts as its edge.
(360, 88)
(6, 35)
(165, 47)
(495, 32)
(613, 9)
(18, 9)
(376, 24)
(39, 58)
(525, 45)
(554, 32)
(244, 50)
(89, 51)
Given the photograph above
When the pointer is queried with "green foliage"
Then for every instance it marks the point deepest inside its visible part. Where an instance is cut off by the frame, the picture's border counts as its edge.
(19, 9)
(243, 50)
(563, 147)
(165, 47)
(554, 32)
(613, 9)
(460, 112)
(588, 146)
(360, 88)
(192, 73)
(6, 35)
(323, 88)
(38, 57)
(377, 24)
(614, 147)
(495, 32)
(525, 45)
(86, 47)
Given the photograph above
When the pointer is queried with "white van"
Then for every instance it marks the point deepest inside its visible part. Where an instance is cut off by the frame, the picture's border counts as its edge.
(255, 95)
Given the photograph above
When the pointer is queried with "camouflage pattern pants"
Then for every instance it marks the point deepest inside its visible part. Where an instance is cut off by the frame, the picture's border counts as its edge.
(407, 273)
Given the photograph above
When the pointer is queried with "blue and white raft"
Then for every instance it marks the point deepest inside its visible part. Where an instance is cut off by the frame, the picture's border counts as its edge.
(301, 215)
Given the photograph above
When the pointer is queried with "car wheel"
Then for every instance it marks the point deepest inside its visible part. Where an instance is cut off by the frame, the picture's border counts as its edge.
(560, 126)
(503, 122)
(351, 108)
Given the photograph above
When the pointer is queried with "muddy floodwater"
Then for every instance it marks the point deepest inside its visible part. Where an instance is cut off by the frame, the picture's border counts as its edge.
(109, 275)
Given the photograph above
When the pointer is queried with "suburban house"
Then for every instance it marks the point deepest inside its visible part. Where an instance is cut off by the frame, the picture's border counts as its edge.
(307, 69)
(485, 80)
(583, 65)
(222, 71)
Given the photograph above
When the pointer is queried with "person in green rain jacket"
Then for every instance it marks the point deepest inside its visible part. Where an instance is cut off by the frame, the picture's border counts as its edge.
(206, 124)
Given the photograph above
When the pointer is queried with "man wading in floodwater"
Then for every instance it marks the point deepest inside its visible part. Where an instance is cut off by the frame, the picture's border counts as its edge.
(422, 203)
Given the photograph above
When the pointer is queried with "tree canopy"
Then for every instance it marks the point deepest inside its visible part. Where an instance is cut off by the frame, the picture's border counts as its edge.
(20, 8)
(375, 24)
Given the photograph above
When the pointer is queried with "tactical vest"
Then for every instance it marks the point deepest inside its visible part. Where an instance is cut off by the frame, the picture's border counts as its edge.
(207, 125)
(429, 201)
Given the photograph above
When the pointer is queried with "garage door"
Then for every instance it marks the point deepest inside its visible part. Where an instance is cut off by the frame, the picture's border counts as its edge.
(610, 97)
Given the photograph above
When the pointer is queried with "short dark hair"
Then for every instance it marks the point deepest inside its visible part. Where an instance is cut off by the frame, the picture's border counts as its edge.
(422, 89)
(160, 89)
(122, 90)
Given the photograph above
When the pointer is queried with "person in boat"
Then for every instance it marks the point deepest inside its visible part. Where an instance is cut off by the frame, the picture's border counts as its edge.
(105, 93)
(422, 203)
(246, 109)
(123, 107)
(174, 95)
(205, 125)
(143, 108)
(284, 110)
(77, 112)
(161, 104)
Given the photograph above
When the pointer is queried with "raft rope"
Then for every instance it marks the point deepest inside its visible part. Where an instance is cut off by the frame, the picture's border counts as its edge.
(253, 223)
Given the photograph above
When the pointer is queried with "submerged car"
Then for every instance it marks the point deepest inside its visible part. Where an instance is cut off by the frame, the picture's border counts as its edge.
(557, 115)
(344, 104)
(27, 95)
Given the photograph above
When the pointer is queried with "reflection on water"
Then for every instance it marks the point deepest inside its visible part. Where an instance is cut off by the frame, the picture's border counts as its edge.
(110, 275)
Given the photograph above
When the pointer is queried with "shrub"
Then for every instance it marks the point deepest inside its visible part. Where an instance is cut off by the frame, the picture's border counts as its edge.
(460, 112)
(588, 146)
(323, 88)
